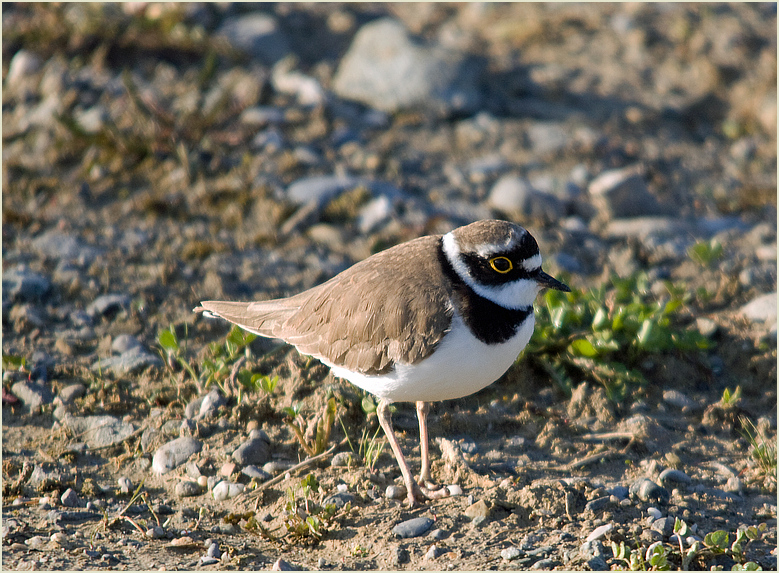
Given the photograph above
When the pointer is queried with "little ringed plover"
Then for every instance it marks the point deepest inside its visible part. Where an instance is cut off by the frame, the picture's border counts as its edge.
(437, 318)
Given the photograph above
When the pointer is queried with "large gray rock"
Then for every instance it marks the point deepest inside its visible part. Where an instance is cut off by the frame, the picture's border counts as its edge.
(387, 69)
(620, 193)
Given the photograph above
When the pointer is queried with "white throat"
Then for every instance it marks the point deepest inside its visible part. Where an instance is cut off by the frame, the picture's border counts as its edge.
(514, 295)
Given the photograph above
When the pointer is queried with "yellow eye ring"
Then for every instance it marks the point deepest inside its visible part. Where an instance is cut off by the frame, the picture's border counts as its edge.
(501, 265)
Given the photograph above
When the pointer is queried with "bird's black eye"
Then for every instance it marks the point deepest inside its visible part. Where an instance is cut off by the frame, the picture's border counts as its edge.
(501, 264)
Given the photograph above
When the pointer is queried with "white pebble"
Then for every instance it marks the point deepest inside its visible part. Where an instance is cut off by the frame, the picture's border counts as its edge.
(454, 489)
(654, 512)
(395, 492)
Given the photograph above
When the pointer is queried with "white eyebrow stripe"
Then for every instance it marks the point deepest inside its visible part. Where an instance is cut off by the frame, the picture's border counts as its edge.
(532, 264)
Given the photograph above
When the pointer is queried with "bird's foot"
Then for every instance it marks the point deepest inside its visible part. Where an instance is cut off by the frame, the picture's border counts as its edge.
(435, 491)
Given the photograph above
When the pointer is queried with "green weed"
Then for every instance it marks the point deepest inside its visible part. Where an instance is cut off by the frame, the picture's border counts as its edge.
(304, 518)
(705, 253)
(321, 426)
(604, 334)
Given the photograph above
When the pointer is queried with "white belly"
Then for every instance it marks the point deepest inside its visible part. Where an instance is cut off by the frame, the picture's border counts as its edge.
(461, 365)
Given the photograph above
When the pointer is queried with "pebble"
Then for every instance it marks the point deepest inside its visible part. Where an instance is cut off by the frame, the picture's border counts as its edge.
(23, 64)
(108, 304)
(59, 537)
(678, 399)
(70, 393)
(761, 309)
(56, 245)
(32, 394)
(654, 513)
(438, 534)
(306, 89)
(388, 70)
(671, 476)
(454, 490)
(21, 284)
(276, 467)
(226, 490)
(125, 485)
(211, 404)
(132, 361)
(340, 499)
(256, 34)
(174, 453)
(281, 565)
(395, 492)
(36, 541)
(598, 504)
(97, 431)
(647, 490)
(412, 527)
(477, 509)
(432, 553)
(663, 525)
(155, 532)
(124, 342)
(593, 553)
(599, 532)
(510, 553)
(213, 551)
(70, 498)
(622, 193)
(319, 189)
(255, 451)
(187, 488)
(341, 460)
(253, 472)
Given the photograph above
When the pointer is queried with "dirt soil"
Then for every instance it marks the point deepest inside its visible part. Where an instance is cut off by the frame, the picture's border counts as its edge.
(180, 212)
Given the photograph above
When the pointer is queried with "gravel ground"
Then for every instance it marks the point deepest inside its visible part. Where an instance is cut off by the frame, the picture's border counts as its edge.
(156, 155)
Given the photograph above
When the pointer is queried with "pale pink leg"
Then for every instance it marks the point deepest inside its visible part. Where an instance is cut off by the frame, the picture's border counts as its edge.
(415, 495)
(422, 409)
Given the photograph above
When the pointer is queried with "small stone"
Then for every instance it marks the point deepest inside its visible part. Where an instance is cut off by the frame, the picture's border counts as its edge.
(70, 498)
(59, 537)
(155, 532)
(663, 525)
(134, 360)
(227, 469)
(677, 399)
(395, 492)
(654, 513)
(432, 553)
(213, 551)
(211, 404)
(281, 565)
(647, 490)
(412, 527)
(341, 459)
(340, 499)
(672, 476)
(124, 342)
(478, 509)
(226, 490)
(253, 451)
(71, 393)
(258, 35)
(125, 485)
(32, 394)
(438, 534)
(761, 309)
(188, 488)
(454, 490)
(22, 285)
(276, 467)
(598, 504)
(706, 326)
(36, 541)
(599, 532)
(510, 553)
(253, 472)
(174, 453)
(108, 304)
(622, 193)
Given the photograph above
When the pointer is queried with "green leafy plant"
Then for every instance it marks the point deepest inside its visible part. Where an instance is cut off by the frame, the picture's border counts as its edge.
(304, 518)
(604, 334)
(223, 365)
(321, 426)
(706, 253)
(14, 362)
(730, 399)
(660, 557)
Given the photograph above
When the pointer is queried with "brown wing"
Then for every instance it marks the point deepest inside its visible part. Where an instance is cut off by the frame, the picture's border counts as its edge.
(391, 307)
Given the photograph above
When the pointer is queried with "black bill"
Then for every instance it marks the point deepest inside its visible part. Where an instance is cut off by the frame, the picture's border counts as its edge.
(548, 281)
